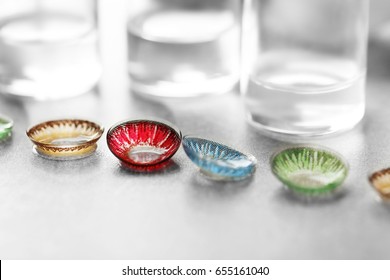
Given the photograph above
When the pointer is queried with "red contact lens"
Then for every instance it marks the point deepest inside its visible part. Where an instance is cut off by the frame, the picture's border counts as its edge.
(143, 142)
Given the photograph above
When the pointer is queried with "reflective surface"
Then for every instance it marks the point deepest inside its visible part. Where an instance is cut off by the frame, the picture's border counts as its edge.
(94, 209)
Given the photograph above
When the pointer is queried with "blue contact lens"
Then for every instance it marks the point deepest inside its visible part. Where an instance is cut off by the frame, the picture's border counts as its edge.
(218, 161)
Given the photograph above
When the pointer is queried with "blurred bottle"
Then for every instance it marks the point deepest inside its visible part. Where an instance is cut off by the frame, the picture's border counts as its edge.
(180, 48)
(48, 48)
(306, 65)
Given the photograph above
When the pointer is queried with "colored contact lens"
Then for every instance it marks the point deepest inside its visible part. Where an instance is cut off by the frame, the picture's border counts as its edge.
(310, 170)
(6, 125)
(218, 161)
(65, 139)
(143, 142)
(380, 181)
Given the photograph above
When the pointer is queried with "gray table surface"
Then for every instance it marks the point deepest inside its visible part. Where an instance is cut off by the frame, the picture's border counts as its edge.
(92, 209)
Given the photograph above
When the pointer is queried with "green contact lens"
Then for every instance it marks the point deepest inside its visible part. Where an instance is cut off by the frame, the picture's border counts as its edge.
(6, 125)
(310, 170)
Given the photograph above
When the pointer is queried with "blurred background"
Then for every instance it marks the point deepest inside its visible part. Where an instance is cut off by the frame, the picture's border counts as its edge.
(93, 209)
